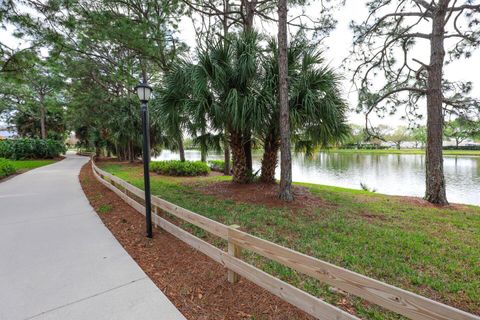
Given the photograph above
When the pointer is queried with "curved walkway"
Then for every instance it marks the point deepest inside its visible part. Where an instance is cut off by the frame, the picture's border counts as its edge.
(58, 260)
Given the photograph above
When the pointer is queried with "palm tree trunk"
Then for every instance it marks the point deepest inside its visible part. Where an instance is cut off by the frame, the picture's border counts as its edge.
(248, 151)
(239, 160)
(203, 147)
(435, 180)
(226, 155)
(270, 158)
(181, 149)
(286, 156)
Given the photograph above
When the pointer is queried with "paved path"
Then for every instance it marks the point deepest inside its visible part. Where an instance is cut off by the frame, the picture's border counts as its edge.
(58, 260)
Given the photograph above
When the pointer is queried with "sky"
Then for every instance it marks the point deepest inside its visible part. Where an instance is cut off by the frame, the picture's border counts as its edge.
(337, 48)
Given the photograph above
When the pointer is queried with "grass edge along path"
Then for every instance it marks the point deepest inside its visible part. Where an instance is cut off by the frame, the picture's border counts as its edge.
(399, 240)
(22, 166)
(25, 165)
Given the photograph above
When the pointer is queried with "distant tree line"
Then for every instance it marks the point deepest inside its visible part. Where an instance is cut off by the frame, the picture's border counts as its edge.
(458, 130)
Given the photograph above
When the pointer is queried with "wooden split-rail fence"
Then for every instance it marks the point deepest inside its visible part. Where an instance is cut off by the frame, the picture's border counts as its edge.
(408, 304)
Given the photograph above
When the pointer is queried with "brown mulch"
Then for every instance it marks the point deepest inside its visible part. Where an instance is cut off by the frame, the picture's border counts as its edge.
(195, 284)
(264, 194)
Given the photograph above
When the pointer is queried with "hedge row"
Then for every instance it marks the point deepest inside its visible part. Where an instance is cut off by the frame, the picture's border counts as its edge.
(363, 146)
(6, 168)
(16, 149)
(179, 168)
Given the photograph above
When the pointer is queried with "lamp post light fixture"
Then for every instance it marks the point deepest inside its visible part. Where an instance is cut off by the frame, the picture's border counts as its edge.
(143, 92)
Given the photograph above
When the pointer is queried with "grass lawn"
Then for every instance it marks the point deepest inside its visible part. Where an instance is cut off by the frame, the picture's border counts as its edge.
(24, 165)
(431, 251)
(405, 151)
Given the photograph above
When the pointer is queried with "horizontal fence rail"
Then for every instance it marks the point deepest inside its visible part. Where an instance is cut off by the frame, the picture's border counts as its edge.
(403, 302)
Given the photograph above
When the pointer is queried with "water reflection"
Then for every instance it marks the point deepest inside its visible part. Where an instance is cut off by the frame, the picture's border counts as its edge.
(398, 174)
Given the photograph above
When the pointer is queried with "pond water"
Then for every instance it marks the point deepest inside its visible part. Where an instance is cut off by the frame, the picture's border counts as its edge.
(396, 174)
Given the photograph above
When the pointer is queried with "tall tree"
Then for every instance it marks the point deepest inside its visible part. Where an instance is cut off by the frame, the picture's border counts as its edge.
(32, 95)
(461, 129)
(393, 30)
(285, 192)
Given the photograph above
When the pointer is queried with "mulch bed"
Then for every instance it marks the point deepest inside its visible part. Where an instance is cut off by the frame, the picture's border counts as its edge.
(263, 194)
(194, 283)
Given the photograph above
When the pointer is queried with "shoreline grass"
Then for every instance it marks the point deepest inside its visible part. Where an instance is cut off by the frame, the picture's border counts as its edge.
(402, 151)
(428, 250)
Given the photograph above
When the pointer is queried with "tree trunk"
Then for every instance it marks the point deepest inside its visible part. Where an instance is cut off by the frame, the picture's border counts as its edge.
(270, 158)
(226, 154)
(131, 152)
(435, 180)
(247, 145)
(286, 156)
(43, 130)
(226, 9)
(203, 147)
(181, 149)
(249, 13)
(239, 160)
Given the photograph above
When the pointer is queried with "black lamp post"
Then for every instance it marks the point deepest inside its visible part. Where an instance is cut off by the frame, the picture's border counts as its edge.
(143, 92)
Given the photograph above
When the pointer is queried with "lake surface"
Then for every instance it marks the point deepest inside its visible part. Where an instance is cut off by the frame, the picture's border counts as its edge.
(396, 174)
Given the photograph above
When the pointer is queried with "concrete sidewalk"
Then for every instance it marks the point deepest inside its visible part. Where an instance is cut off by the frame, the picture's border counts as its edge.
(58, 260)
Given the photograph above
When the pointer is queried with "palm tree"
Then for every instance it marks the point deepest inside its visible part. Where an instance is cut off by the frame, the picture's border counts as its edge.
(316, 109)
(172, 105)
(226, 82)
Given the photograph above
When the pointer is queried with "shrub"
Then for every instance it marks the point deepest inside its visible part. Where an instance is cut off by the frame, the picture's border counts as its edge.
(179, 168)
(218, 165)
(31, 149)
(6, 168)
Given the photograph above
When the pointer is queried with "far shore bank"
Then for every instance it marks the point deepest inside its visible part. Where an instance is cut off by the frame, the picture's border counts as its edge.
(403, 151)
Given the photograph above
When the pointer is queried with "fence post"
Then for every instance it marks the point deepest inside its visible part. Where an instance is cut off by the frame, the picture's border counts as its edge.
(235, 251)
(156, 215)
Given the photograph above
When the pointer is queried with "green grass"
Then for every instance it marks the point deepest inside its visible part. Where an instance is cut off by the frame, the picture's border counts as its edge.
(431, 251)
(105, 208)
(23, 165)
(404, 151)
